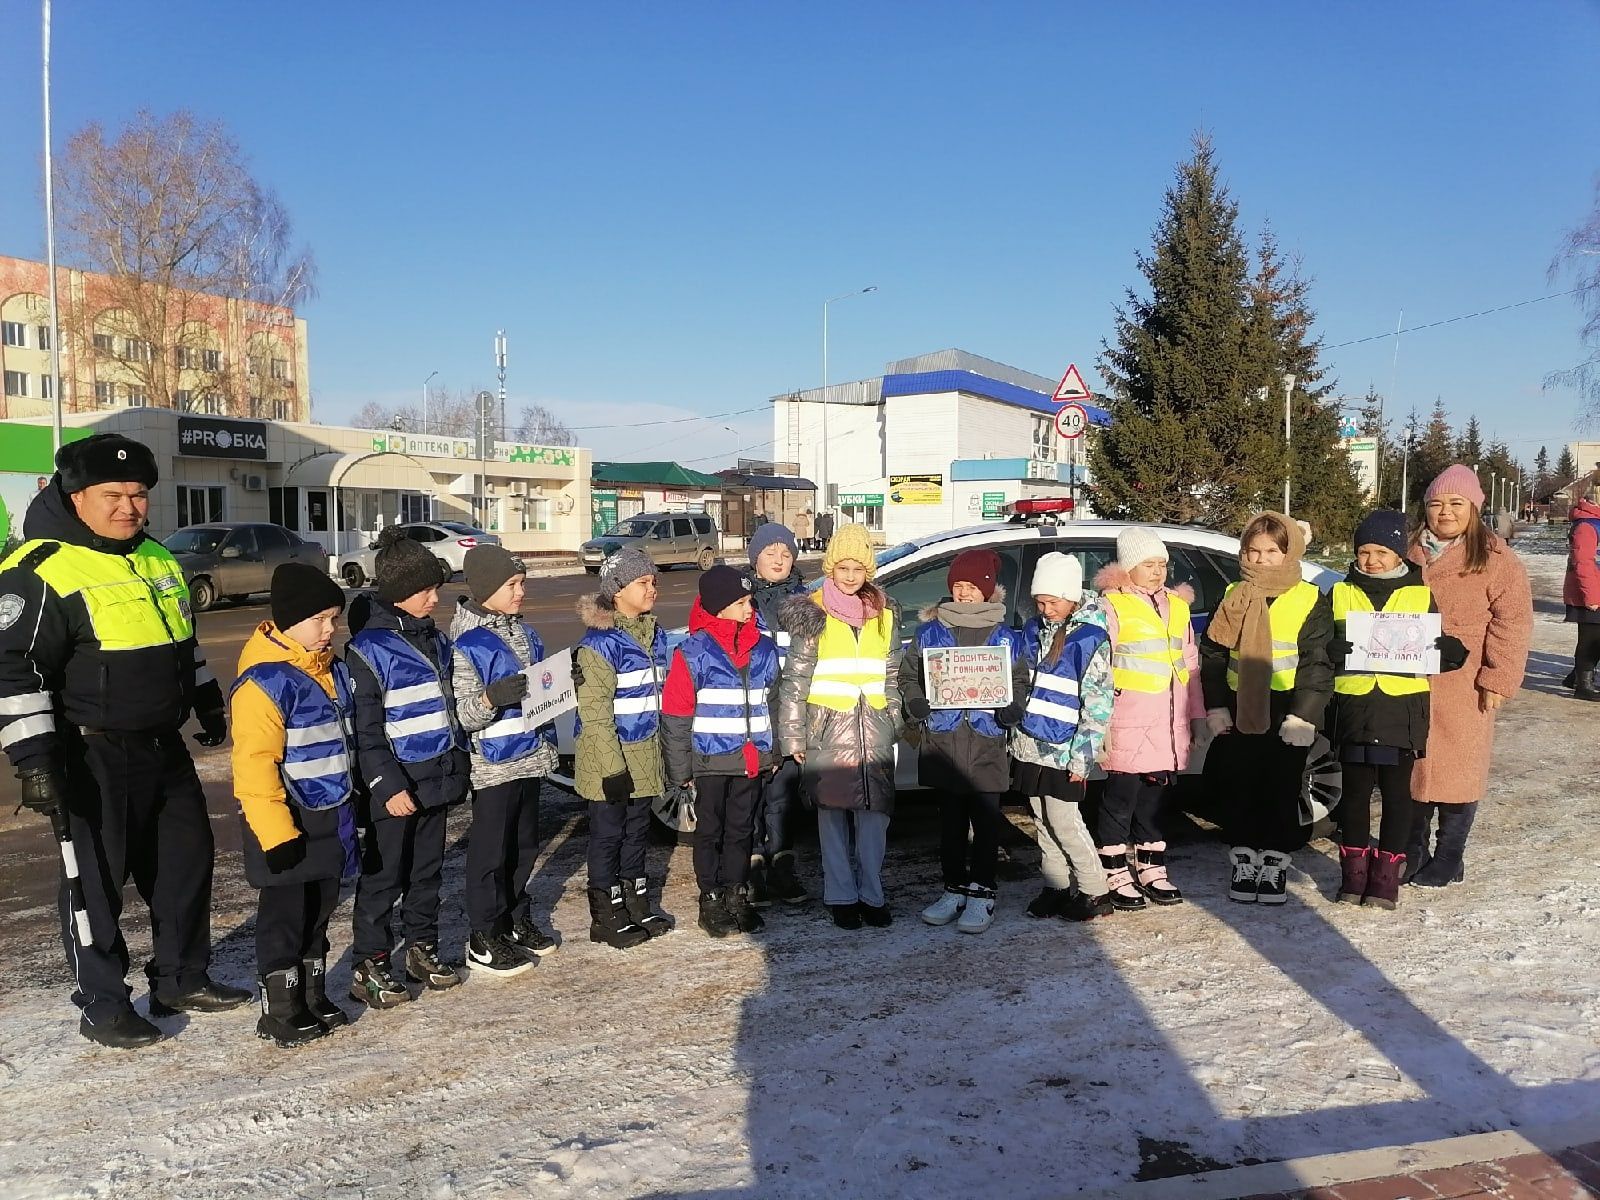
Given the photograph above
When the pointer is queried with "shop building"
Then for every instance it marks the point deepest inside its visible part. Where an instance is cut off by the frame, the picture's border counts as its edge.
(625, 489)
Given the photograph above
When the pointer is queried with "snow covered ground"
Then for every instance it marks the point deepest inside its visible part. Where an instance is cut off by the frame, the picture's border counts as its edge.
(1033, 1061)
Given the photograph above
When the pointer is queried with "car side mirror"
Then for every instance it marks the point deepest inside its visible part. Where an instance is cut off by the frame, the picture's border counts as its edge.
(231, 552)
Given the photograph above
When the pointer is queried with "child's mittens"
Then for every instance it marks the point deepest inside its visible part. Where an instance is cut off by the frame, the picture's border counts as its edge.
(918, 708)
(1338, 650)
(1219, 721)
(503, 693)
(1452, 652)
(1296, 731)
(285, 856)
(1008, 716)
(618, 788)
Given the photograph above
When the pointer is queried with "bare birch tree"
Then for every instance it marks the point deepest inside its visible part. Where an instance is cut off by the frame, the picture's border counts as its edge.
(1579, 258)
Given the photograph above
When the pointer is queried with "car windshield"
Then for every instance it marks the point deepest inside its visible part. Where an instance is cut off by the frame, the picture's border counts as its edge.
(458, 528)
(197, 539)
(632, 527)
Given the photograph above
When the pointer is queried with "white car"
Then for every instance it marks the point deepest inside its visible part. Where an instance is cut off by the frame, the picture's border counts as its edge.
(449, 541)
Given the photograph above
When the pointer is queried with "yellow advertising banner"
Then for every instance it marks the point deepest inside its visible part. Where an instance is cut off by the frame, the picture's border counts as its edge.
(916, 489)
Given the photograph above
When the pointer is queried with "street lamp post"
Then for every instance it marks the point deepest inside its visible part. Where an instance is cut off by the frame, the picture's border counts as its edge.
(425, 384)
(56, 383)
(823, 482)
(1288, 438)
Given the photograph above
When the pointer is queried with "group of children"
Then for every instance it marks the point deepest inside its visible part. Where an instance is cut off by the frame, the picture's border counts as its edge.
(783, 695)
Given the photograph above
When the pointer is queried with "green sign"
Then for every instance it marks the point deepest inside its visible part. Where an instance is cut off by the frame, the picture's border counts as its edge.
(993, 504)
(861, 499)
(546, 456)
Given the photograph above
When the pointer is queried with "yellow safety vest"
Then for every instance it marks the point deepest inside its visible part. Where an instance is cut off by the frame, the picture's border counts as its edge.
(1286, 615)
(134, 601)
(851, 665)
(1348, 598)
(1147, 654)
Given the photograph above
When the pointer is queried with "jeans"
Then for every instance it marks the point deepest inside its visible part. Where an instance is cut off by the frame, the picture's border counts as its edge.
(853, 845)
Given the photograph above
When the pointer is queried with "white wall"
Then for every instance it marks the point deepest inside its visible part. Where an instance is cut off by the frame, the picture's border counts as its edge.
(987, 428)
(855, 443)
(920, 438)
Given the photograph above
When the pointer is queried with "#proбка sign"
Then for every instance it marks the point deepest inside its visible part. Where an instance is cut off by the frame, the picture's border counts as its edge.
(967, 676)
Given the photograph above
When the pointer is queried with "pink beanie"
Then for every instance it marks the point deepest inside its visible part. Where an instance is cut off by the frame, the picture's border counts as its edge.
(1456, 480)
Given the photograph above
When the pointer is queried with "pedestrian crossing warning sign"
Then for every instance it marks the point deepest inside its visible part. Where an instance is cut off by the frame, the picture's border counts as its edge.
(1071, 388)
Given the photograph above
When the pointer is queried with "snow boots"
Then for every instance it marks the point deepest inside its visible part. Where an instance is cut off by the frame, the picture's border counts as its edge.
(716, 918)
(285, 1019)
(759, 895)
(1355, 864)
(950, 905)
(1246, 864)
(1383, 880)
(315, 973)
(1152, 878)
(1125, 894)
(782, 882)
(742, 909)
(1417, 852)
(978, 914)
(373, 985)
(1048, 903)
(609, 921)
(1079, 906)
(1447, 865)
(125, 1031)
(636, 900)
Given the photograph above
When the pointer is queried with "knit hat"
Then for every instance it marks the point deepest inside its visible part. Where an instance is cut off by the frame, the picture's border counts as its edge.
(851, 543)
(1383, 527)
(622, 568)
(722, 586)
(1135, 545)
(772, 534)
(1057, 574)
(979, 567)
(1456, 480)
(487, 567)
(403, 567)
(300, 590)
(105, 458)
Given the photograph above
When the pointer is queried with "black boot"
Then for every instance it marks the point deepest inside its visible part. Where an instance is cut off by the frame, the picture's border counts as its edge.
(782, 882)
(1417, 852)
(1048, 902)
(636, 900)
(742, 909)
(125, 1031)
(285, 1019)
(330, 1014)
(208, 997)
(1448, 864)
(759, 894)
(609, 921)
(715, 917)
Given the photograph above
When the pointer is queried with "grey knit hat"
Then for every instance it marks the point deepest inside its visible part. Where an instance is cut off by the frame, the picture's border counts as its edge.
(487, 568)
(622, 568)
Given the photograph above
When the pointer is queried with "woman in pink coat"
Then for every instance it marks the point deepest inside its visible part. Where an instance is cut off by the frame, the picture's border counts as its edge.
(1482, 591)
(1155, 668)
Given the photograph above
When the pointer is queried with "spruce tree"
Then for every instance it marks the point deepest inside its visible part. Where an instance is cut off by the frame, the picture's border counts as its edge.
(1469, 446)
(1539, 489)
(1435, 449)
(1566, 469)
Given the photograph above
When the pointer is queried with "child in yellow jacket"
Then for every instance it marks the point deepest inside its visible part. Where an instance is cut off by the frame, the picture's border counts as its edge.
(294, 776)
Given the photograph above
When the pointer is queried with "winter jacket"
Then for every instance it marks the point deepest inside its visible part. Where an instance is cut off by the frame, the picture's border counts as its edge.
(1150, 730)
(1377, 718)
(473, 709)
(749, 661)
(1492, 614)
(600, 753)
(433, 782)
(970, 756)
(849, 756)
(94, 633)
(1095, 694)
(769, 599)
(1313, 680)
(1581, 591)
(269, 816)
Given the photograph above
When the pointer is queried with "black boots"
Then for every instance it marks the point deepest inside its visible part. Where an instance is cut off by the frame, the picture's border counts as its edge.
(209, 997)
(1417, 852)
(285, 1019)
(636, 900)
(1447, 865)
(609, 921)
(742, 908)
(782, 882)
(716, 918)
(315, 973)
(125, 1031)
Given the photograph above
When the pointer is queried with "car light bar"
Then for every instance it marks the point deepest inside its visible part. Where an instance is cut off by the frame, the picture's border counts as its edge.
(1043, 504)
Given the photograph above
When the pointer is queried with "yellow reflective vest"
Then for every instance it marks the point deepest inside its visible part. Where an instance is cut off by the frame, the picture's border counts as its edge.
(1286, 614)
(1348, 598)
(852, 665)
(133, 601)
(1148, 654)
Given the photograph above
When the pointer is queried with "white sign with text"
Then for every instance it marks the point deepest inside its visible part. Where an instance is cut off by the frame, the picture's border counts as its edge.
(550, 689)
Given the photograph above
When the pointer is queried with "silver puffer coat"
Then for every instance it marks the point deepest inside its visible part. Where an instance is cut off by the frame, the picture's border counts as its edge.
(849, 755)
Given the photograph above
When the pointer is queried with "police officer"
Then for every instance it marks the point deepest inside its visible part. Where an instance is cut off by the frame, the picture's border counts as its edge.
(99, 667)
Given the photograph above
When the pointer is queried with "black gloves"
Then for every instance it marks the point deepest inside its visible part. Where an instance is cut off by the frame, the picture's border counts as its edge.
(503, 693)
(1338, 650)
(1008, 716)
(617, 789)
(213, 728)
(285, 856)
(44, 789)
(1452, 653)
(917, 708)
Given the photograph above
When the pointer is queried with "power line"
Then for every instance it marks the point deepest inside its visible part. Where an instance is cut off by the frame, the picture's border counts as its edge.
(1378, 337)
(738, 412)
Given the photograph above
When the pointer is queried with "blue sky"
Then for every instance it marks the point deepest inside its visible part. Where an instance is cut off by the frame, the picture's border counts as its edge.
(654, 200)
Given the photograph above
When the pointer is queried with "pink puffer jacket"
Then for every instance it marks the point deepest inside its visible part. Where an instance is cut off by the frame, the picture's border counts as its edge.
(1150, 730)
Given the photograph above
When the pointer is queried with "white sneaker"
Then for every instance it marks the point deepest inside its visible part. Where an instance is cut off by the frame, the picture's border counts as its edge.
(1272, 878)
(945, 909)
(1246, 867)
(979, 912)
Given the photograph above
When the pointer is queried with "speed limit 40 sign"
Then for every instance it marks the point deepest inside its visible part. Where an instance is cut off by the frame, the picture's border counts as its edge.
(1072, 420)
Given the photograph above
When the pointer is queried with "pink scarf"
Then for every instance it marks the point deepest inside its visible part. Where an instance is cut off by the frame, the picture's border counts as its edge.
(855, 611)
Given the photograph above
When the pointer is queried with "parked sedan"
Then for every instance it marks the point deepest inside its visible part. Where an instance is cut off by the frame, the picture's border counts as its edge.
(449, 541)
(235, 559)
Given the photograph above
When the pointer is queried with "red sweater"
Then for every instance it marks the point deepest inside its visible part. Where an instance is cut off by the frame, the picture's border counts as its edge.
(737, 641)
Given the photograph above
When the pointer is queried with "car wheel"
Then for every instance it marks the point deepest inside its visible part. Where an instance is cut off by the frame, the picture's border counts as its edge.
(674, 819)
(1322, 785)
(707, 559)
(449, 571)
(201, 594)
(353, 575)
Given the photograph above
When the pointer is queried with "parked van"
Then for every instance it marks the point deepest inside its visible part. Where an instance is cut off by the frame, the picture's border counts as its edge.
(669, 539)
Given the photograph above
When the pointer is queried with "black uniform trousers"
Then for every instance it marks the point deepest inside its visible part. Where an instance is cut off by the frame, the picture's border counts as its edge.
(135, 807)
(402, 857)
(960, 863)
(619, 833)
(292, 923)
(1261, 775)
(725, 811)
(501, 847)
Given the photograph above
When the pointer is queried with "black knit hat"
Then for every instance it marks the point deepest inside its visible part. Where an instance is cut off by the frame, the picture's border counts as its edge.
(300, 590)
(721, 586)
(105, 458)
(487, 567)
(1383, 527)
(403, 567)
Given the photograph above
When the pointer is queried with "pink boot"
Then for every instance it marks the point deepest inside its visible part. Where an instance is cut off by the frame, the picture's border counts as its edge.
(1383, 881)
(1152, 878)
(1354, 865)
(1125, 894)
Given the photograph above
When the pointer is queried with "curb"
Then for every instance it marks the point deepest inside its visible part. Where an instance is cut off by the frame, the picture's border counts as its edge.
(1332, 1170)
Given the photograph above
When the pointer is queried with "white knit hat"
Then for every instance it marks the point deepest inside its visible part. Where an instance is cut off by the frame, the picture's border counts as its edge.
(1136, 545)
(1057, 574)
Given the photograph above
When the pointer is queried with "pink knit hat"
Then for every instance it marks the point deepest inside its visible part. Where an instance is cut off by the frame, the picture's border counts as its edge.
(1456, 480)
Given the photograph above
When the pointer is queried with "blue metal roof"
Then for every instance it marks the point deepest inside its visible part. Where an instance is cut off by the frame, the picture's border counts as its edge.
(923, 382)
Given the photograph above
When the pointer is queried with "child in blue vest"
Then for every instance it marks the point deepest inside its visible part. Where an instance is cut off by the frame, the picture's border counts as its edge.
(1063, 730)
(294, 776)
(717, 736)
(414, 764)
(963, 750)
(510, 756)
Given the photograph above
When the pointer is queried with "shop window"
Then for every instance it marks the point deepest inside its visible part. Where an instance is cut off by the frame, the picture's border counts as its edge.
(414, 506)
(16, 383)
(870, 515)
(535, 515)
(14, 333)
(198, 505)
(283, 506)
(317, 511)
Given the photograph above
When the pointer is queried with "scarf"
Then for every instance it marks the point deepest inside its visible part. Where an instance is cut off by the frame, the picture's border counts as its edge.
(985, 614)
(855, 611)
(1241, 623)
(1434, 546)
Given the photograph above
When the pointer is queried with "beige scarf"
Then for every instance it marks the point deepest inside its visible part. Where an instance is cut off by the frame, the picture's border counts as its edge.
(1241, 624)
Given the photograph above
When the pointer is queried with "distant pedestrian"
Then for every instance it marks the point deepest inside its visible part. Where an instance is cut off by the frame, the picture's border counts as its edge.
(825, 525)
(1581, 592)
(802, 529)
(1484, 597)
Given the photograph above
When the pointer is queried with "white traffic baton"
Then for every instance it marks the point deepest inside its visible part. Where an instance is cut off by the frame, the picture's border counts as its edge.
(69, 862)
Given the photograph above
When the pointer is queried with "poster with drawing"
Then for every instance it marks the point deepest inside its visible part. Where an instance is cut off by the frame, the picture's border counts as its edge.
(1393, 643)
(967, 676)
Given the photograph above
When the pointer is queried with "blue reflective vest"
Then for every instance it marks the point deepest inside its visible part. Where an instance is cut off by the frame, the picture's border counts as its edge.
(1051, 713)
(508, 738)
(934, 634)
(636, 706)
(730, 707)
(778, 637)
(416, 710)
(317, 763)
